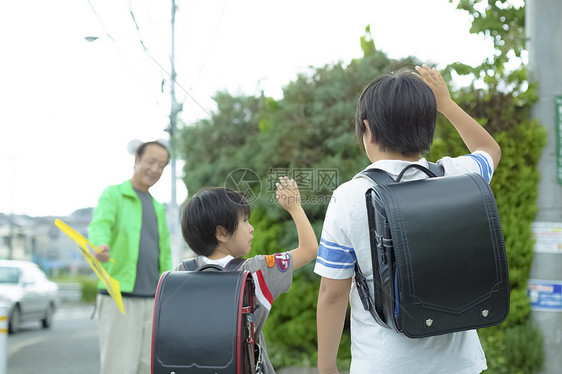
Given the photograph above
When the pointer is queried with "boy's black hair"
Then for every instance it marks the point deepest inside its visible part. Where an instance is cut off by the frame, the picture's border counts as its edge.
(205, 211)
(401, 110)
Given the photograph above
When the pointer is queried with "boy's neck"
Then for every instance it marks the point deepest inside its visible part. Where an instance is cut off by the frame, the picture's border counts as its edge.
(220, 252)
(218, 255)
(375, 154)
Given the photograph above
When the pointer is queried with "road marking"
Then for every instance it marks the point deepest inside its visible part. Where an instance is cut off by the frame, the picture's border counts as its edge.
(79, 312)
(18, 347)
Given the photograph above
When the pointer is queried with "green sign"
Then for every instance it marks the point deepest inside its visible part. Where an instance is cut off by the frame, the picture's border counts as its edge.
(558, 129)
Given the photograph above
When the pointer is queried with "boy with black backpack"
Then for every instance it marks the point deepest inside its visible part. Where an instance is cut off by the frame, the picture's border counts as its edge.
(215, 224)
(395, 122)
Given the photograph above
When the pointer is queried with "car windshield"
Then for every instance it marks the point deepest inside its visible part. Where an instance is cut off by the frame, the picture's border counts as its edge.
(9, 275)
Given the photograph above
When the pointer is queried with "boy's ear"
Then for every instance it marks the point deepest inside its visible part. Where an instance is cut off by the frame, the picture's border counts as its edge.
(221, 234)
(368, 134)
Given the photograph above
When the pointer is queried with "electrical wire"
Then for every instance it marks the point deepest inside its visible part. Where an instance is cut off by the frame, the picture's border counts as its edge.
(100, 21)
(186, 92)
(136, 25)
(127, 61)
(212, 42)
(147, 51)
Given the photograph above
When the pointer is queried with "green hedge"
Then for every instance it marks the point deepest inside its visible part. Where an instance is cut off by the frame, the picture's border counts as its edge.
(89, 290)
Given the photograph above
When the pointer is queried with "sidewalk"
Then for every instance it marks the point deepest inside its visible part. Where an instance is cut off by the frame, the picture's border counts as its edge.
(297, 370)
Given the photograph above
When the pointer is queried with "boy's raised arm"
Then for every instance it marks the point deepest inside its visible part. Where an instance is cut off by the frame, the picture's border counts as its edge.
(289, 198)
(472, 133)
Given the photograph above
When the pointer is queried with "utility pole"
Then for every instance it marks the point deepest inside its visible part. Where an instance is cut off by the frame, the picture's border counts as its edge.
(176, 241)
(545, 68)
(175, 107)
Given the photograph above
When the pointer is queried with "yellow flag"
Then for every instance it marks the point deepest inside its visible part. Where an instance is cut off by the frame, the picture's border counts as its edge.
(84, 245)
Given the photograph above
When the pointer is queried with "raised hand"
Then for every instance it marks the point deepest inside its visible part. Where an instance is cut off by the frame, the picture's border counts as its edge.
(435, 81)
(288, 194)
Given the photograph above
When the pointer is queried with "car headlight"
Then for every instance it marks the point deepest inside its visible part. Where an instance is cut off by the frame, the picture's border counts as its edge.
(5, 301)
(8, 298)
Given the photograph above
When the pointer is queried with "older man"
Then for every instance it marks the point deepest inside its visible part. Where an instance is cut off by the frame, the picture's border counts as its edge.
(130, 227)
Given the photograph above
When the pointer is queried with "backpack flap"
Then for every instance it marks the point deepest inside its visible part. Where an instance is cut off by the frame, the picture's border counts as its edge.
(198, 322)
(451, 267)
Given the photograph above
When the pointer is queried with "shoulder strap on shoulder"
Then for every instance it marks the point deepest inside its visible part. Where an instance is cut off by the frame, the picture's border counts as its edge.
(436, 169)
(234, 264)
(379, 176)
(190, 264)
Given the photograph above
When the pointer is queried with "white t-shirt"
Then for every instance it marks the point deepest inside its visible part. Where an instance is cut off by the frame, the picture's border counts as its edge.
(345, 239)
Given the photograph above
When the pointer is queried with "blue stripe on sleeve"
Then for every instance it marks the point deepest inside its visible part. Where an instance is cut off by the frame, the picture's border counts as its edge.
(332, 244)
(335, 256)
(485, 169)
(334, 266)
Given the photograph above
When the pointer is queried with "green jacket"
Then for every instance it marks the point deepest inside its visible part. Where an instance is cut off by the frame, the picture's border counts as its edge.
(117, 222)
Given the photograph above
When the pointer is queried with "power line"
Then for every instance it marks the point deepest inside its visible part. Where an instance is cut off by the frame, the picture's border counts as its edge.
(148, 52)
(136, 25)
(213, 38)
(100, 21)
(215, 120)
(175, 81)
(140, 78)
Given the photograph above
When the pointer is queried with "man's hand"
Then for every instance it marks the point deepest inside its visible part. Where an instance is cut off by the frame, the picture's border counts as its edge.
(288, 194)
(104, 255)
(435, 81)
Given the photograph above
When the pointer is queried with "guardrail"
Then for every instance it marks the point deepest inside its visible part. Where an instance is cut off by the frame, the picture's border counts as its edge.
(70, 291)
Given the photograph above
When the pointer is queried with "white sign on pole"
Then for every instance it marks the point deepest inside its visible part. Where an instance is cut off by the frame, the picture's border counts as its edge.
(548, 236)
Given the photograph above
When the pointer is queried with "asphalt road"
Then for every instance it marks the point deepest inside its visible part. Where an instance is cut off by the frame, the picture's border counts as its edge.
(69, 346)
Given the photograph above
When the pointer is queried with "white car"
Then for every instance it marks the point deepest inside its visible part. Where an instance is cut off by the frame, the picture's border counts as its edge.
(27, 293)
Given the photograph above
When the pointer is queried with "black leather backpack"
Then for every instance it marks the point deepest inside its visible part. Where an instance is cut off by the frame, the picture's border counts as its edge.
(204, 322)
(438, 255)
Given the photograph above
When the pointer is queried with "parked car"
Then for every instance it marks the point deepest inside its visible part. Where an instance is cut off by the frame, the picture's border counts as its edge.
(28, 294)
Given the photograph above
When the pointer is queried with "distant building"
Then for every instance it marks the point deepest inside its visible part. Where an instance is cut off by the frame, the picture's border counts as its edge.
(37, 239)
(17, 237)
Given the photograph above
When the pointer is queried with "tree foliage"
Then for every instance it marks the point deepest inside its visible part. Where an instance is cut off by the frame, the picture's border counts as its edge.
(308, 134)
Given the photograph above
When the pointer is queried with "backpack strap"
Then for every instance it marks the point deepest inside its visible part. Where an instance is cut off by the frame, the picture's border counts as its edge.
(372, 306)
(438, 170)
(190, 264)
(233, 265)
(379, 176)
(432, 171)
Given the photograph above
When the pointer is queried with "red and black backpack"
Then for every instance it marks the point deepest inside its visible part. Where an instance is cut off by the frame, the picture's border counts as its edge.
(204, 321)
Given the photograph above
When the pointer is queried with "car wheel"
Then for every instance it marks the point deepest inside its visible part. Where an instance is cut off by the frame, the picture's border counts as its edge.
(14, 320)
(47, 321)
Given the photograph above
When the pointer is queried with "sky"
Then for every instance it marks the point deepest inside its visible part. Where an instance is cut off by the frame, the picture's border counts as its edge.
(69, 107)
